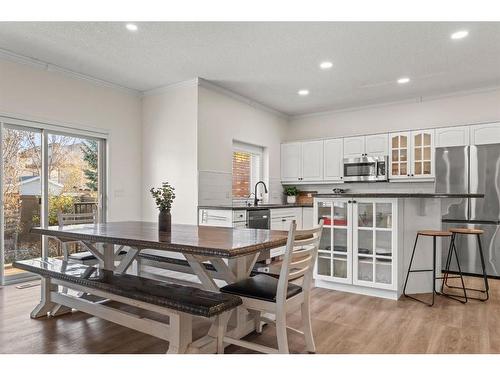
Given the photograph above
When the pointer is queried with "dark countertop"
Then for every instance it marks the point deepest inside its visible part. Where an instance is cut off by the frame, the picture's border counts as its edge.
(190, 239)
(254, 208)
(399, 195)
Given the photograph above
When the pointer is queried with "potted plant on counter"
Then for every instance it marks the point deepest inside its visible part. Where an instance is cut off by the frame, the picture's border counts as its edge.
(164, 197)
(291, 193)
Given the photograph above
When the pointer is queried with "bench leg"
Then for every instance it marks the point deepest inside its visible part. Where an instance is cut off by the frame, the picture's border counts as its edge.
(181, 327)
(221, 324)
(46, 306)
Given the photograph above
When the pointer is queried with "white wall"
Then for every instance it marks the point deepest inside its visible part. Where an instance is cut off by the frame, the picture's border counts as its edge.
(29, 92)
(169, 149)
(222, 119)
(449, 111)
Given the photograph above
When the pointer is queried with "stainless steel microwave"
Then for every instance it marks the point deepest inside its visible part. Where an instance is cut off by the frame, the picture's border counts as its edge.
(366, 168)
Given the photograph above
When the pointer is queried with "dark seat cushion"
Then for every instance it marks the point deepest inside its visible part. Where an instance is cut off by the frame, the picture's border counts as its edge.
(182, 298)
(87, 255)
(263, 287)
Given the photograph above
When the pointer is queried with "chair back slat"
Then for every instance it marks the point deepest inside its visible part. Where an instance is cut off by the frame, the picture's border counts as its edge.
(301, 262)
(301, 253)
(305, 242)
(300, 256)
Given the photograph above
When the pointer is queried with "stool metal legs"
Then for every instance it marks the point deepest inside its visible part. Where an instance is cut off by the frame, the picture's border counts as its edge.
(433, 271)
(434, 277)
(483, 265)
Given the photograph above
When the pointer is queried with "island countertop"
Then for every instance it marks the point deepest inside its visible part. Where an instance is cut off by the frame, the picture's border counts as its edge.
(399, 195)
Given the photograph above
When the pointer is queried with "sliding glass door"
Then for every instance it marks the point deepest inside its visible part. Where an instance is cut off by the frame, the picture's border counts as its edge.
(21, 156)
(45, 174)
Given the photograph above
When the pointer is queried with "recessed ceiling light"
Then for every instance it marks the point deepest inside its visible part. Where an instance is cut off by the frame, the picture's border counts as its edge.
(303, 92)
(131, 27)
(459, 34)
(326, 65)
(403, 80)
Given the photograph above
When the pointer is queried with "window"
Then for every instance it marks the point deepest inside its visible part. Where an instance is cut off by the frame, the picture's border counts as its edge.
(247, 169)
(45, 171)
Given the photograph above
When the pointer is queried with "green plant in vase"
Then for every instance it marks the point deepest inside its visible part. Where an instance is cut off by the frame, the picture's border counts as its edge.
(164, 197)
(291, 193)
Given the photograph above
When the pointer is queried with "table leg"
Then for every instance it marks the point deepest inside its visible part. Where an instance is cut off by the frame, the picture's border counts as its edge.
(108, 256)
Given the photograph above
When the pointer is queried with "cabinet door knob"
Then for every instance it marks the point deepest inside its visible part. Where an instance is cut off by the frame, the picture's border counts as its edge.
(349, 201)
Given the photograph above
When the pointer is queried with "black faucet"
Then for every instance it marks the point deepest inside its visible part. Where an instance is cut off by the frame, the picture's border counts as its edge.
(256, 200)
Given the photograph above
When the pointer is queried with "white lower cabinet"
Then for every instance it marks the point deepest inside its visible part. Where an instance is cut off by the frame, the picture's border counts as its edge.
(358, 245)
(281, 219)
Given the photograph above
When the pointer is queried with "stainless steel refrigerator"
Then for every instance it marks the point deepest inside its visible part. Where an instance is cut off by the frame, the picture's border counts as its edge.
(474, 169)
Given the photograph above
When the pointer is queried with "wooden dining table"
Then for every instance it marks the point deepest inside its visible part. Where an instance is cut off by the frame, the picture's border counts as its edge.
(232, 252)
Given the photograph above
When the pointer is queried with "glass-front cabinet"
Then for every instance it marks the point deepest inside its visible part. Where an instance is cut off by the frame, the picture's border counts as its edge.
(400, 144)
(334, 254)
(422, 153)
(411, 155)
(359, 241)
(374, 243)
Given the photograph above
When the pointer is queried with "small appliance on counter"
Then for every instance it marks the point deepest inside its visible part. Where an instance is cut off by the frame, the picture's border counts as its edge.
(340, 191)
(366, 168)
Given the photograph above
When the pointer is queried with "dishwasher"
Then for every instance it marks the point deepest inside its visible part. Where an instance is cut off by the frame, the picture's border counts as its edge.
(258, 219)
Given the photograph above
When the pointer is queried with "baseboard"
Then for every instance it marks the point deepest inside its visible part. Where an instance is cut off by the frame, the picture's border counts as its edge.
(349, 288)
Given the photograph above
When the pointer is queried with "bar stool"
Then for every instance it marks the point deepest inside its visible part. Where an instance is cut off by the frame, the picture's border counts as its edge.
(434, 234)
(473, 232)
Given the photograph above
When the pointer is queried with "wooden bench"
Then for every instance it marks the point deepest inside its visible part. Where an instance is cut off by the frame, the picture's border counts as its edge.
(177, 302)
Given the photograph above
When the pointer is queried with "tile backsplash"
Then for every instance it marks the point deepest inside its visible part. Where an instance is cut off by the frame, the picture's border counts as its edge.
(215, 189)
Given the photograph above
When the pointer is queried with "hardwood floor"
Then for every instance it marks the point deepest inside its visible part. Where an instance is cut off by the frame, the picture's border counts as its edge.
(342, 323)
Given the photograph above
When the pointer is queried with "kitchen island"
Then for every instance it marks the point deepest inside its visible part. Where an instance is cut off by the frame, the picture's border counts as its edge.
(368, 239)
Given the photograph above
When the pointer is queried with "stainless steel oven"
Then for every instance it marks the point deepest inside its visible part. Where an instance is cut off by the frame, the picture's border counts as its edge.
(366, 168)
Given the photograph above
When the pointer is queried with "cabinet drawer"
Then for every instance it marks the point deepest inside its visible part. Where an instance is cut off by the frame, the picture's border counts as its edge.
(216, 218)
(286, 212)
(240, 215)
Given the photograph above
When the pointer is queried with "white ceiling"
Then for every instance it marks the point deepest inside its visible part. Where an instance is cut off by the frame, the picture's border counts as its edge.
(269, 62)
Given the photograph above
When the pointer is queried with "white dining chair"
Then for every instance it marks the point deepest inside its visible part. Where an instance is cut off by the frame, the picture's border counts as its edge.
(265, 294)
(85, 257)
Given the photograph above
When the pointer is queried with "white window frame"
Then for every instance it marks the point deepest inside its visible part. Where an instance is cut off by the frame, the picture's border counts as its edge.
(254, 151)
(44, 129)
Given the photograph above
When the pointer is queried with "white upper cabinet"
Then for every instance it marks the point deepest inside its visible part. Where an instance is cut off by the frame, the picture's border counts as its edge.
(484, 134)
(333, 161)
(302, 161)
(354, 147)
(370, 145)
(452, 136)
(291, 162)
(376, 145)
(398, 155)
(411, 155)
(312, 161)
(422, 153)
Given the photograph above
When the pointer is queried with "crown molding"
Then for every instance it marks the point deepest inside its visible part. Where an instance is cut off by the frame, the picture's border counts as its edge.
(11, 56)
(419, 99)
(162, 89)
(222, 90)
